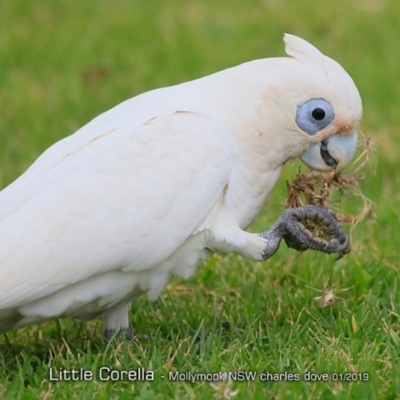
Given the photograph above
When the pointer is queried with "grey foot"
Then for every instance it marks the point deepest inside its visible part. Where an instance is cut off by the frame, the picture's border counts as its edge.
(124, 332)
(290, 228)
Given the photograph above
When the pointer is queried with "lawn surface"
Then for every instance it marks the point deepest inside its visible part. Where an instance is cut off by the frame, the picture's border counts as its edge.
(63, 63)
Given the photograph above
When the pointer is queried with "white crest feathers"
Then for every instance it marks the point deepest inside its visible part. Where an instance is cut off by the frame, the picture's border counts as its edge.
(301, 50)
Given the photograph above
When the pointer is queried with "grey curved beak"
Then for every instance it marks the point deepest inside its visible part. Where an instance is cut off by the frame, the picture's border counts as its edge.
(335, 152)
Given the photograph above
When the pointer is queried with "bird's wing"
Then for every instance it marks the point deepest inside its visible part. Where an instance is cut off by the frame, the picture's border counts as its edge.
(125, 199)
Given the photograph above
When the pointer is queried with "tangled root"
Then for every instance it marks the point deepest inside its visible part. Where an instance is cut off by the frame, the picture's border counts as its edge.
(317, 188)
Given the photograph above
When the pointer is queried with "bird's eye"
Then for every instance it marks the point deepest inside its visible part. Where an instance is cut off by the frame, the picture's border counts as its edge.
(318, 114)
(314, 115)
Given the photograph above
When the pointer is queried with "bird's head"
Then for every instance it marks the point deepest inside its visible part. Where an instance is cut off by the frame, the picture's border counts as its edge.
(316, 105)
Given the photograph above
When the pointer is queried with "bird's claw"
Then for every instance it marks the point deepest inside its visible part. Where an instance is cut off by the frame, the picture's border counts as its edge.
(298, 237)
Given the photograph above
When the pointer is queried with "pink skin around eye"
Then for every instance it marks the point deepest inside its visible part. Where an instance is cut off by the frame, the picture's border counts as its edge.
(329, 130)
(339, 125)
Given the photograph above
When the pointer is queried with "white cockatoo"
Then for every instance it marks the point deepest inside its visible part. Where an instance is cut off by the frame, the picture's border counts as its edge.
(137, 195)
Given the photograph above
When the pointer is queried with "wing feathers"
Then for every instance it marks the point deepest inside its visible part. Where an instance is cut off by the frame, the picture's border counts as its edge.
(125, 201)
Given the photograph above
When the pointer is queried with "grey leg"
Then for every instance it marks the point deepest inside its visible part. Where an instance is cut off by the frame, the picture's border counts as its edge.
(117, 320)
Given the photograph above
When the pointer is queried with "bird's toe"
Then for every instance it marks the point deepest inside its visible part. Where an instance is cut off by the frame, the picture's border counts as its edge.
(301, 237)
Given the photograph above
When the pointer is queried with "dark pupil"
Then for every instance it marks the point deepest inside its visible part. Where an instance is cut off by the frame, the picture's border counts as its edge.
(318, 114)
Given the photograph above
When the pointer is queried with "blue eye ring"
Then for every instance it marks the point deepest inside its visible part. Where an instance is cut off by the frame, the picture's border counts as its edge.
(314, 115)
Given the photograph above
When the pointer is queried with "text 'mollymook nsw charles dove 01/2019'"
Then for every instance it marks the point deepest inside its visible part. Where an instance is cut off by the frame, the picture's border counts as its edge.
(139, 193)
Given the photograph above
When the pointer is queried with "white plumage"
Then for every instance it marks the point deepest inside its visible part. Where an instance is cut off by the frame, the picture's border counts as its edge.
(136, 195)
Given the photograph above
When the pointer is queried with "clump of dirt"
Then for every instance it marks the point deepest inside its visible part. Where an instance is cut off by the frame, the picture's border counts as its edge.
(317, 188)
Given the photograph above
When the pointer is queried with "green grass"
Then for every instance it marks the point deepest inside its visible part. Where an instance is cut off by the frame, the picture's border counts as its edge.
(62, 63)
